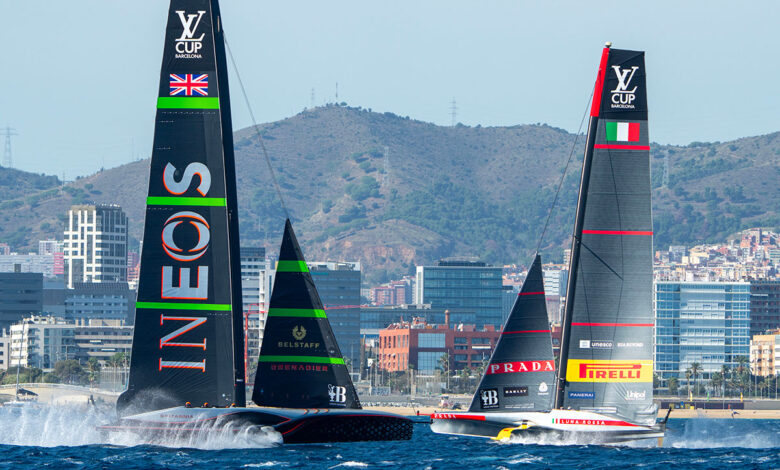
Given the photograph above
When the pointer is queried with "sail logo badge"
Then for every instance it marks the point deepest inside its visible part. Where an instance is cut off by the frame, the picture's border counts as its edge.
(515, 391)
(201, 228)
(337, 394)
(623, 97)
(299, 332)
(488, 398)
(520, 366)
(544, 389)
(187, 45)
(582, 395)
(633, 395)
(189, 84)
(581, 370)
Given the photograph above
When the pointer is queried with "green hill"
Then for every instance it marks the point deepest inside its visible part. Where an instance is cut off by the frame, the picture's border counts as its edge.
(392, 192)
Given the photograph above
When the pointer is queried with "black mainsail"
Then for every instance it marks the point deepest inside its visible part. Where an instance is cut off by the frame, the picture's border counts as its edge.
(521, 372)
(606, 361)
(188, 341)
(300, 364)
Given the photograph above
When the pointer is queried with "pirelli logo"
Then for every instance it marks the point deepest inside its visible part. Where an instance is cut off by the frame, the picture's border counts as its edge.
(579, 370)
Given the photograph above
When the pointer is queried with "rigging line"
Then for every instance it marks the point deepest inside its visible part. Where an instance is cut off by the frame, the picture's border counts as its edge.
(563, 175)
(257, 129)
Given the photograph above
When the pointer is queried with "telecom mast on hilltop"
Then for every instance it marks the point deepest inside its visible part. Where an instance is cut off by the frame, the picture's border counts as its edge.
(8, 160)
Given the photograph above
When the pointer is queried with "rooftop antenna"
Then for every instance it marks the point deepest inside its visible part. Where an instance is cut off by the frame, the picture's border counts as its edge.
(8, 160)
(337, 92)
(454, 112)
(312, 99)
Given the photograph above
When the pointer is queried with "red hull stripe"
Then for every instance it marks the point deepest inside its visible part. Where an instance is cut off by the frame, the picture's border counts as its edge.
(531, 293)
(613, 324)
(457, 416)
(524, 331)
(621, 147)
(596, 104)
(618, 232)
(592, 422)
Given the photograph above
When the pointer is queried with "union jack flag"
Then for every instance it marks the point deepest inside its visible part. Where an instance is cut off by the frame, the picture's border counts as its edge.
(189, 84)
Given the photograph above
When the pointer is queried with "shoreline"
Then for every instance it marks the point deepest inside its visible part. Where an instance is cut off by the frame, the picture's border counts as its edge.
(676, 413)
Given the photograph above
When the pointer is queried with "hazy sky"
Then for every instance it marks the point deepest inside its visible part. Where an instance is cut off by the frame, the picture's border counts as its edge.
(78, 78)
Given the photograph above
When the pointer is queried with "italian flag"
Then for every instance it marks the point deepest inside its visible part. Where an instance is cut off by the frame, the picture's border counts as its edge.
(622, 131)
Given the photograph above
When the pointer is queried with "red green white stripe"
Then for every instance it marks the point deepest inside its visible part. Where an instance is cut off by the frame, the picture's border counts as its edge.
(622, 131)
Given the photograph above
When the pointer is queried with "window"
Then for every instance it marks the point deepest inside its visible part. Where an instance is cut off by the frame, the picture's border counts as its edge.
(430, 340)
(428, 362)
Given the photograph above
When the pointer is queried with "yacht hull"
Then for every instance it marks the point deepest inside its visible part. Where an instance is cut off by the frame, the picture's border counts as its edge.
(296, 426)
(578, 426)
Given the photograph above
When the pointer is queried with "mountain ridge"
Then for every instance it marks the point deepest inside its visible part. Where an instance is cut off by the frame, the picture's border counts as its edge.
(393, 192)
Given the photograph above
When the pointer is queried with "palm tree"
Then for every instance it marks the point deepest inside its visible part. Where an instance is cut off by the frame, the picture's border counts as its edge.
(673, 386)
(716, 381)
(724, 371)
(688, 375)
(742, 370)
(695, 371)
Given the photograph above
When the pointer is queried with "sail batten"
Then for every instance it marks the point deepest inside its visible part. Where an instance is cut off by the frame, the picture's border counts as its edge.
(521, 371)
(188, 340)
(606, 349)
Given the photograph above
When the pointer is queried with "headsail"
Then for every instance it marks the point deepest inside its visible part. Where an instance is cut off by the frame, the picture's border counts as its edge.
(188, 341)
(521, 372)
(606, 351)
(300, 364)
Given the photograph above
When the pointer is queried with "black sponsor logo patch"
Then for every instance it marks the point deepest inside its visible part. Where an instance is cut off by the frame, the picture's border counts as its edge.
(515, 391)
(488, 398)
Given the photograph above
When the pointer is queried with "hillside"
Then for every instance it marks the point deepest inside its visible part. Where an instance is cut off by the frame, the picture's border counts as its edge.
(391, 192)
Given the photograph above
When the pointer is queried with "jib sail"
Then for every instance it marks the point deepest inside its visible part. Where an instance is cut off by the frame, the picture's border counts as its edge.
(300, 364)
(606, 352)
(187, 342)
(521, 372)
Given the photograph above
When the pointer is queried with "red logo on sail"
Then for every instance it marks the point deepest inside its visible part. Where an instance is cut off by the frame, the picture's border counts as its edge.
(520, 366)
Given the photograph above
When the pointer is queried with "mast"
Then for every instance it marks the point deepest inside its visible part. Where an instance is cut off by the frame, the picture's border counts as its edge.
(574, 259)
(188, 340)
(606, 362)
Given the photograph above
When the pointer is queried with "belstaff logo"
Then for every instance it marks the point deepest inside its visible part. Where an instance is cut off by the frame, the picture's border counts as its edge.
(299, 332)
(579, 370)
(488, 398)
(187, 45)
(337, 394)
(623, 97)
(201, 226)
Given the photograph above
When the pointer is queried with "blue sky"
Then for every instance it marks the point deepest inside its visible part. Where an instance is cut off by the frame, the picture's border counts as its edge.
(79, 78)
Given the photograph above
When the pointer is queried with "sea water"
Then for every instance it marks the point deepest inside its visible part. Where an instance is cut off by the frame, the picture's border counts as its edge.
(62, 438)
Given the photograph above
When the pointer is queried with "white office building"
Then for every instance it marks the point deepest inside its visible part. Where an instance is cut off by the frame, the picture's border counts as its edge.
(95, 246)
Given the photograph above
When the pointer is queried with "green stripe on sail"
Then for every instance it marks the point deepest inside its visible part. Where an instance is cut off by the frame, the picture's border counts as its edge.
(183, 306)
(286, 266)
(185, 201)
(309, 359)
(612, 128)
(296, 312)
(189, 102)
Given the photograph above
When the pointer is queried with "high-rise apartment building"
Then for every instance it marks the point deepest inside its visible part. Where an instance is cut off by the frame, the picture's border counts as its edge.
(463, 284)
(700, 322)
(764, 306)
(95, 244)
(338, 284)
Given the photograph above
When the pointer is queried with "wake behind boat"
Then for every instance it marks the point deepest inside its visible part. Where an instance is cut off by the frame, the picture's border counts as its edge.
(187, 364)
(604, 386)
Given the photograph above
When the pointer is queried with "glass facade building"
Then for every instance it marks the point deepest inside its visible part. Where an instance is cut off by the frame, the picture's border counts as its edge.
(703, 322)
(464, 285)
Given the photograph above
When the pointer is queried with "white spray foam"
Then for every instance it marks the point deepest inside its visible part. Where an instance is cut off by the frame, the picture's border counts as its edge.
(52, 426)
